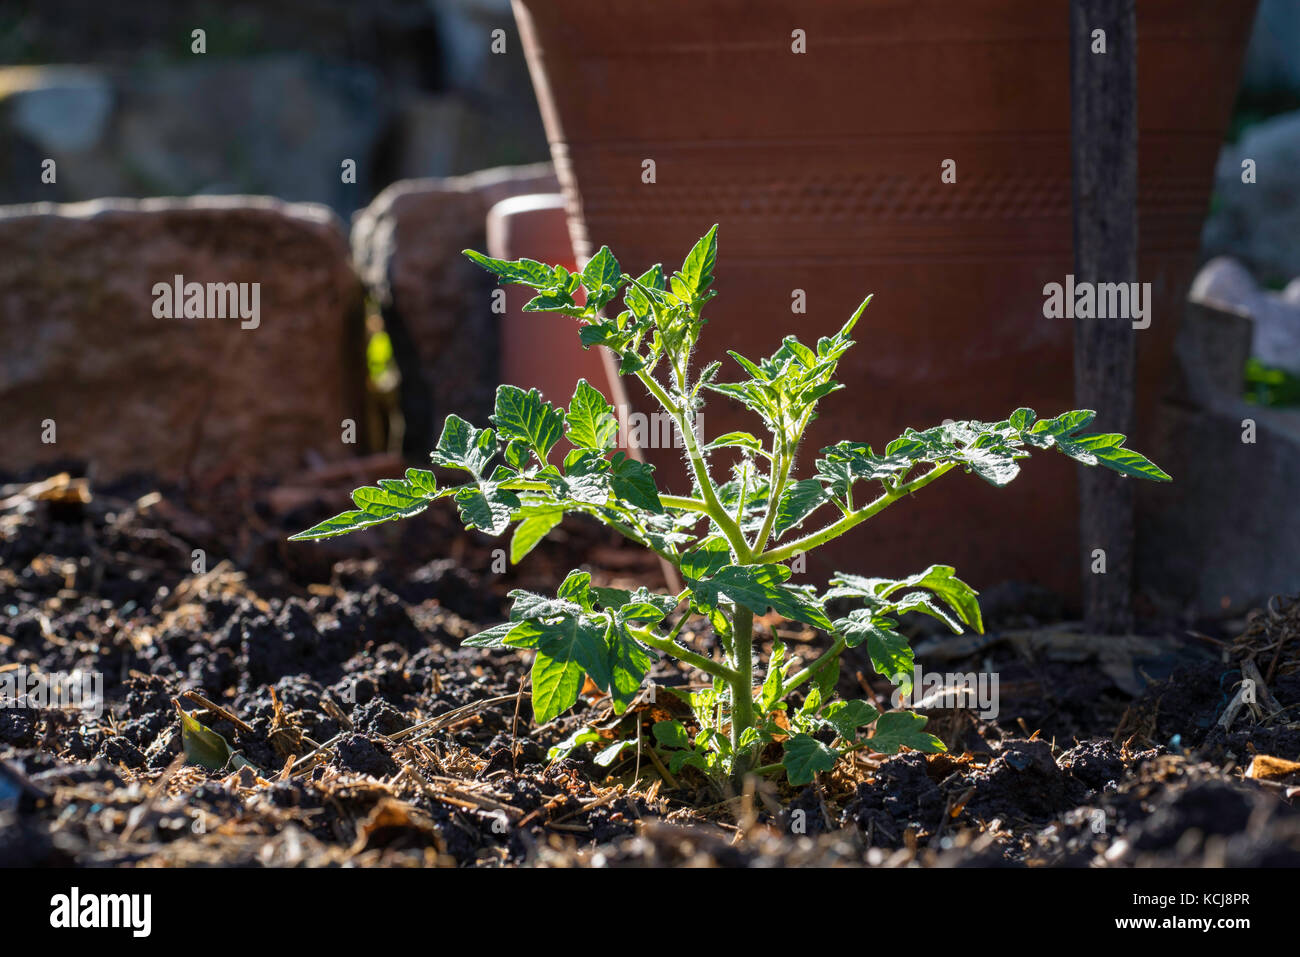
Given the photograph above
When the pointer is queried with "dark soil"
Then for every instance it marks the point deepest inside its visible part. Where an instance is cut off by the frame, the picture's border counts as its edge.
(322, 656)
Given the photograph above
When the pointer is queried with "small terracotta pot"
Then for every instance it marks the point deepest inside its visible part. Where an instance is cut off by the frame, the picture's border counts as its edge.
(823, 169)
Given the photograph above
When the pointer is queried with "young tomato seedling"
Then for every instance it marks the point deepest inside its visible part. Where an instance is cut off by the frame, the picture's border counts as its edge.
(729, 540)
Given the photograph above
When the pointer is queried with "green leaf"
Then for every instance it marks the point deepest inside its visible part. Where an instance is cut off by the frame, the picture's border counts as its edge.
(487, 508)
(634, 483)
(555, 686)
(584, 735)
(697, 269)
(590, 419)
(759, 587)
(392, 498)
(493, 637)
(636, 299)
(804, 757)
(738, 440)
(898, 729)
(629, 663)
(576, 588)
(770, 696)
(205, 747)
(527, 272)
(531, 531)
(798, 501)
(611, 597)
(706, 559)
(671, 734)
(602, 278)
(847, 716)
(955, 593)
(890, 654)
(607, 756)
(645, 605)
(461, 446)
(922, 602)
(528, 417)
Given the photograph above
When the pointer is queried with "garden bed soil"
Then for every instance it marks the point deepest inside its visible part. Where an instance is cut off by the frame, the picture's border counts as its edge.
(373, 739)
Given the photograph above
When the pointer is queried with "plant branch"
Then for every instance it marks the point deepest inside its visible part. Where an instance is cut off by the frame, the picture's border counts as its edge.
(669, 647)
(714, 508)
(822, 661)
(816, 539)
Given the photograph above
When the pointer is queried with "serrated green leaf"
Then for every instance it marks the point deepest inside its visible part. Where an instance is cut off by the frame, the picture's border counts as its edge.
(798, 501)
(925, 604)
(804, 757)
(493, 637)
(487, 507)
(645, 605)
(955, 593)
(633, 482)
(629, 663)
(706, 559)
(759, 587)
(526, 272)
(847, 716)
(576, 588)
(393, 498)
(461, 446)
(601, 278)
(889, 651)
(697, 269)
(526, 416)
(899, 729)
(590, 419)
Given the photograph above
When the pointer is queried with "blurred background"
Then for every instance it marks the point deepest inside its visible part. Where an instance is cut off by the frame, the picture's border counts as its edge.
(342, 154)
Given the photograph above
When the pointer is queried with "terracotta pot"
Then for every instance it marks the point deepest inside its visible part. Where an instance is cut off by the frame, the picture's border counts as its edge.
(824, 171)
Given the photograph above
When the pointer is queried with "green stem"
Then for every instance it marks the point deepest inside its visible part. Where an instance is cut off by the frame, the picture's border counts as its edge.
(669, 647)
(713, 507)
(742, 683)
(809, 542)
(800, 677)
(778, 476)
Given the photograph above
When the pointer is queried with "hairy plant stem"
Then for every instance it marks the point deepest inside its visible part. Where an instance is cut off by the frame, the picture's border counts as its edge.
(822, 661)
(817, 539)
(713, 507)
(742, 683)
(670, 647)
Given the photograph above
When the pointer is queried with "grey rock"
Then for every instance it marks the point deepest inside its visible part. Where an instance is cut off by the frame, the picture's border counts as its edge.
(60, 109)
(437, 305)
(1259, 223)
(1275, 338)
(1271, 63)
(1224, 535)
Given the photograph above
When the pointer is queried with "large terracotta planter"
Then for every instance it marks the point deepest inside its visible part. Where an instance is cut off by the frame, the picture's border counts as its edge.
(824, 172)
